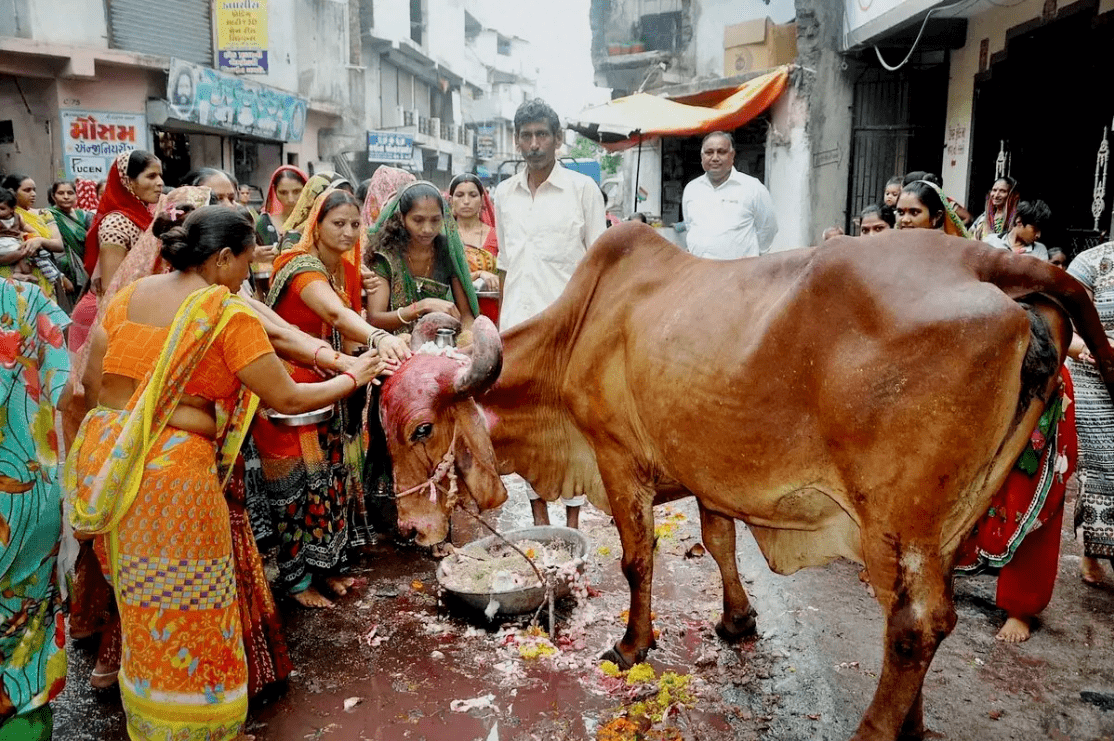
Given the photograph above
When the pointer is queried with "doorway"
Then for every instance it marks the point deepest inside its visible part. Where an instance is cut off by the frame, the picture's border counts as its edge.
(1049, 118)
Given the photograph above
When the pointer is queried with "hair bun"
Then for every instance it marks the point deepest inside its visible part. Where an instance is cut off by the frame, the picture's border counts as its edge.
(174, 242)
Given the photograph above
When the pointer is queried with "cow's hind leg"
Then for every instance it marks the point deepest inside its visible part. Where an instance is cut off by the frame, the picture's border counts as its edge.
(919, 615)
(719, 537)
(632, 507)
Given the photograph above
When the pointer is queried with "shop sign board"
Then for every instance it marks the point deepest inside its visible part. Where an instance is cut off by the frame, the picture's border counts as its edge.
(242, 39)
(92, 139)
(485, 142)
(389, 147)
(205, 96)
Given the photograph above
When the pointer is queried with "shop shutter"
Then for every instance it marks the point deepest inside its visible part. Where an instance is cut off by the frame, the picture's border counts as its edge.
(169, 28)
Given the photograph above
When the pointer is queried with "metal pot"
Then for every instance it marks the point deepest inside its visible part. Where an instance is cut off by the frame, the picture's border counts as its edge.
(317, 416)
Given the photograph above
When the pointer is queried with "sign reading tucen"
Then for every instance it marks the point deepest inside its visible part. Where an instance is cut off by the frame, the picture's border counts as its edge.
(386, 146)
(92, 139)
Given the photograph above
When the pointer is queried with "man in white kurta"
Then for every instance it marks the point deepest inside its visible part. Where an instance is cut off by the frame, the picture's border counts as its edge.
(546, 218)
(727, 214)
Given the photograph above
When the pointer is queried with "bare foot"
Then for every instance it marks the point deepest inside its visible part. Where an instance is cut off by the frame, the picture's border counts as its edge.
(1092, 571)
(340, 584)
(1016, 630)
(310, 597)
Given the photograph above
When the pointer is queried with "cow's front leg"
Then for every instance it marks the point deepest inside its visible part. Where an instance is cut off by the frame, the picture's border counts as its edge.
(919, 614)
(632, 508)
(718, 532)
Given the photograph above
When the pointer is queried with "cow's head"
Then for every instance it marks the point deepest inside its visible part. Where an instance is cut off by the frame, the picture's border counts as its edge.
(435, 430)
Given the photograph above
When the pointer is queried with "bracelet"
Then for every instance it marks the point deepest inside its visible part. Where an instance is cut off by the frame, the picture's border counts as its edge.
(355, 383)
(315, 365)
(398, 311)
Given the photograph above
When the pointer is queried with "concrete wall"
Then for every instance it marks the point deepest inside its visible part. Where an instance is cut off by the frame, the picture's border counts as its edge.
(392, 19)
(712, 16)
(322, 50)
(828, 88)
(991, 25)
(36, 149)
(788, 177)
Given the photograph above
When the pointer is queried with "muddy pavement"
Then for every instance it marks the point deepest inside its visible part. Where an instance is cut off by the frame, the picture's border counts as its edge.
(390, 663)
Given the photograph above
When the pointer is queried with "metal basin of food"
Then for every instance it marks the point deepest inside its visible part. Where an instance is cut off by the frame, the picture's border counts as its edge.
(317, 416)
(516, 601)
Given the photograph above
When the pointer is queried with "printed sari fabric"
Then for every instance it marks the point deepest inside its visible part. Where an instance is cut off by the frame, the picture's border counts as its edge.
(311, 474)
(157, 493)
(34, 366)
(1020, 533)
(73, 228)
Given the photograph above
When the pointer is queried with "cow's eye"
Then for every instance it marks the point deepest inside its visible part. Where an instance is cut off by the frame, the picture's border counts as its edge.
(422, 432)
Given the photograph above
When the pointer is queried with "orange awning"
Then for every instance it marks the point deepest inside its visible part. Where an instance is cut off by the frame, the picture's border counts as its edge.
(624, 122)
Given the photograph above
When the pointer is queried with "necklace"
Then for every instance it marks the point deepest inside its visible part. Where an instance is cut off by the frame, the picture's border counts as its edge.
(420, 267)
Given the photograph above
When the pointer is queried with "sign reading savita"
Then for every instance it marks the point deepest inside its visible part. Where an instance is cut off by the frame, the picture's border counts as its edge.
(241, 36)
(205, 96)
(92, 139)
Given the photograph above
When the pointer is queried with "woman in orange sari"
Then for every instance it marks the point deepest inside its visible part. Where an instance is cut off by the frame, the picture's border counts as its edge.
(173, 369)
(313, 473)
(475, 220)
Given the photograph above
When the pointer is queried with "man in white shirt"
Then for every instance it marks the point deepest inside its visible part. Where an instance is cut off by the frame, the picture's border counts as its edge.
(1028, 220)
(727, 214)
(546, 218)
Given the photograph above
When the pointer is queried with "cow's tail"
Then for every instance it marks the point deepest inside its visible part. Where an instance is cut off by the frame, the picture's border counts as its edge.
(1021, 276)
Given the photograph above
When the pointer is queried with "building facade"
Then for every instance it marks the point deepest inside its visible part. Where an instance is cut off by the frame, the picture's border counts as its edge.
(248, 85)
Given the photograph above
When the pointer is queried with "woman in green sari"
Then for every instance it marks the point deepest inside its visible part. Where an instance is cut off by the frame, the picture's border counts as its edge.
(73, 224)
(416, 249)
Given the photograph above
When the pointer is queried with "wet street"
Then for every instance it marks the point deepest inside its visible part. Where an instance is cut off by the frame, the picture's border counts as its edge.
(389, 663)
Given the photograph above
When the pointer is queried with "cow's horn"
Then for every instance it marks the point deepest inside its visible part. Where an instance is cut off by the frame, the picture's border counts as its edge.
(426, 328)
(487, 359)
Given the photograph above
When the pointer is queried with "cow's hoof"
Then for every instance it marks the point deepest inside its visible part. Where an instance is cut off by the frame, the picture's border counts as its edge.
(736, 630)
(615, 656)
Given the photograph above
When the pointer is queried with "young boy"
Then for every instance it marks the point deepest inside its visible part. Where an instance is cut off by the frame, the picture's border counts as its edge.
(1028, 220)
(892, 191)
(12, 239)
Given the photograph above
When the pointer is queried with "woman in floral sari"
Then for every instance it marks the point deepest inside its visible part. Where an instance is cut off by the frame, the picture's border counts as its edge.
(475, 220)
(174, 368)
(34, 366)
(124, 212)
(313, 473)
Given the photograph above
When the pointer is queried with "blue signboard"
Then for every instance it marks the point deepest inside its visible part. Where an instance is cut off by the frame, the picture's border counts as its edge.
(389, 147)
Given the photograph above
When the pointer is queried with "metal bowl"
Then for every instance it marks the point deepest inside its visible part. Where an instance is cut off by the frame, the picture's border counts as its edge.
(317, 416)
(527, 599)
(487, 294)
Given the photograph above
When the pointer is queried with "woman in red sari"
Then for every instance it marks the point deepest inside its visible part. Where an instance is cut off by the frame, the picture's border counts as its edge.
(313, 473)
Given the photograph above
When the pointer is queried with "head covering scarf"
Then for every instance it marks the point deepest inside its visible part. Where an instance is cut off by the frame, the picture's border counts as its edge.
(271, 205)
(953, 225)
(118, 197)
(385, 182)
(315, 186)
(300, 257)
(998, 221)
(87, 198)
(403, 287)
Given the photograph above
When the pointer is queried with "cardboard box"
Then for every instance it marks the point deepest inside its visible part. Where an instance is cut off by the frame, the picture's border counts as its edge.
(757, 44)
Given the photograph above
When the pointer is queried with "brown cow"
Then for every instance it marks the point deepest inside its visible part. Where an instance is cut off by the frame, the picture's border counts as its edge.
(856, 400)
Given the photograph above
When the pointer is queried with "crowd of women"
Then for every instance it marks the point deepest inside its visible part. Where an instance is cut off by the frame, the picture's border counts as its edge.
(214, 371)
(1020, 536)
